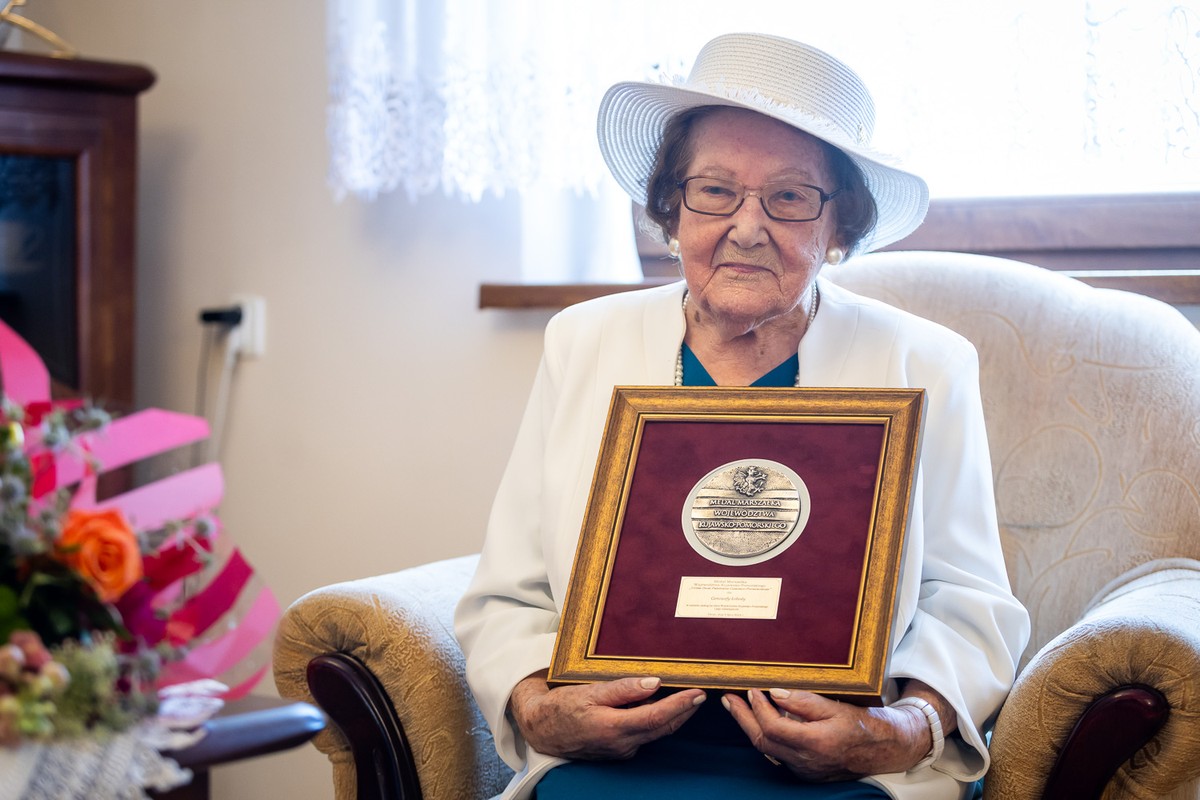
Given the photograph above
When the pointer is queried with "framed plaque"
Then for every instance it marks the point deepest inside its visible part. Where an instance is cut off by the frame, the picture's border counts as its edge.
(742, 538)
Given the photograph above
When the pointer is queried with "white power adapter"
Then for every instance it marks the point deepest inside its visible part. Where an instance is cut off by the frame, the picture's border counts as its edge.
(249, 337)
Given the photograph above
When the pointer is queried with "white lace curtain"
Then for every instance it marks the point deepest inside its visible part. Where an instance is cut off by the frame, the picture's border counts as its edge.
(471, 97)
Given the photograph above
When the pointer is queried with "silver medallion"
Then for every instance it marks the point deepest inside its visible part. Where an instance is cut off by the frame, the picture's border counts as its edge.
(746, 512)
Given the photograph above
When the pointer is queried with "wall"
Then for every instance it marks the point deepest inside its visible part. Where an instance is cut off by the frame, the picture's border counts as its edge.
(372, 434)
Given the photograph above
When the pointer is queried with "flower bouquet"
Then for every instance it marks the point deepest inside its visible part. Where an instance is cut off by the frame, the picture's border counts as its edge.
(105, 602)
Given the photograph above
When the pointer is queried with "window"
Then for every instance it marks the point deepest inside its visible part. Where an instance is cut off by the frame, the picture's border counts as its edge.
(1015, 99)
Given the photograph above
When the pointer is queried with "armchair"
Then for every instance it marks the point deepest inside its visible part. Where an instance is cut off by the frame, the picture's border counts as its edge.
(1092, 402)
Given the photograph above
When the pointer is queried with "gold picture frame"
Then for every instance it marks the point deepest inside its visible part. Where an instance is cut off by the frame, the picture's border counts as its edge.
(679, 567)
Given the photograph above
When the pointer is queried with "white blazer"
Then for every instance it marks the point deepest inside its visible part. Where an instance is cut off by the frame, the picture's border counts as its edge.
(958, 628)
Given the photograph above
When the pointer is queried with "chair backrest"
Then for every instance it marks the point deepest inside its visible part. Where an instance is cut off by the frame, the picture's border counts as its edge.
(1092, 403)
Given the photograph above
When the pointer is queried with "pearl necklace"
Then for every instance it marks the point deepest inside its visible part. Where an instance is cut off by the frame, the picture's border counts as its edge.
(812, 314)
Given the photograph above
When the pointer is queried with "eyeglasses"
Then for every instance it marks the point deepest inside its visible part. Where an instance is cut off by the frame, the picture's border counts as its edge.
(782, 201)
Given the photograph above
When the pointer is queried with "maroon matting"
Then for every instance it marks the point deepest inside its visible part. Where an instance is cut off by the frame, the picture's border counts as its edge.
(822, 572)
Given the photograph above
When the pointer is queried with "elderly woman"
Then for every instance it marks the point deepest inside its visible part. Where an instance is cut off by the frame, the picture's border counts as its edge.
(758, 171)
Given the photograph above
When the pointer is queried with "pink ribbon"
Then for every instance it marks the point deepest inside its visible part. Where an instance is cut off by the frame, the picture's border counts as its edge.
(23, 375)
(207, 622)
(215, 657)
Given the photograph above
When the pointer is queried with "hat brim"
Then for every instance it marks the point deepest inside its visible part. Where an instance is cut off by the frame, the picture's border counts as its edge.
(633, 116)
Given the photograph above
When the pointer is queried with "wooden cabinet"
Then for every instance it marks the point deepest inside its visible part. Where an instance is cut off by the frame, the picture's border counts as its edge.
(68, 179)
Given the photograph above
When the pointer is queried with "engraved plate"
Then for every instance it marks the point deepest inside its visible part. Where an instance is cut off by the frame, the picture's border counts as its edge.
(746, 512)
(728, 598)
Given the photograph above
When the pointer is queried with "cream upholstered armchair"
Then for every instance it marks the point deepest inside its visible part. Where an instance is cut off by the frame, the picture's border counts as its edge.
(1092, 400)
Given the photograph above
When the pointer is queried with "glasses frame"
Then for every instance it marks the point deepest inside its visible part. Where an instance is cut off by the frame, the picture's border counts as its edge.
(746, 192)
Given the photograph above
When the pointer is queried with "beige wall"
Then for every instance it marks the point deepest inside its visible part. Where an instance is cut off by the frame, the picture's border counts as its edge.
(372, 434)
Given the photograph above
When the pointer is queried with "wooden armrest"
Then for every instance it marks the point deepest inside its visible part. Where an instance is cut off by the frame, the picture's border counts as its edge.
(1111, 729)
(380, 658)
(360, 707)
(1119, 679)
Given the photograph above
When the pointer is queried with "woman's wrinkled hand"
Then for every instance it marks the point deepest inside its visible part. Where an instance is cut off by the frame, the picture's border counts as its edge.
(820, 739)
(609, 720)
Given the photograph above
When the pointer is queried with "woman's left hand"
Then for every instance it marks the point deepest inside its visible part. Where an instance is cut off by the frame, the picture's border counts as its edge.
(825, 740)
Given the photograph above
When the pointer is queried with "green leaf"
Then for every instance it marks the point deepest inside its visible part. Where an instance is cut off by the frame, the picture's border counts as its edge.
(11, 618)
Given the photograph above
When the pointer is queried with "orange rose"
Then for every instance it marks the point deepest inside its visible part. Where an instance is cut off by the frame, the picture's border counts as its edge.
(101, 547)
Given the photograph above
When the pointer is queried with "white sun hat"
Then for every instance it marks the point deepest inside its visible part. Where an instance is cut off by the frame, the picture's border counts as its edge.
(786, 80)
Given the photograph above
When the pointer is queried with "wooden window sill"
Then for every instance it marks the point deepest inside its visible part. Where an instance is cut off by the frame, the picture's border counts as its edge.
(1147, 243)
(1177, 287)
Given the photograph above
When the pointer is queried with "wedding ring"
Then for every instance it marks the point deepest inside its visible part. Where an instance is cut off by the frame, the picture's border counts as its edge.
(773, 759)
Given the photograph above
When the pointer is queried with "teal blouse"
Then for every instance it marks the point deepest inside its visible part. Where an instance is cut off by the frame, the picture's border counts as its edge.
(694, 373)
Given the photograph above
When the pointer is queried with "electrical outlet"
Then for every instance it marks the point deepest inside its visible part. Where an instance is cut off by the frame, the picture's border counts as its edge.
(252, 332)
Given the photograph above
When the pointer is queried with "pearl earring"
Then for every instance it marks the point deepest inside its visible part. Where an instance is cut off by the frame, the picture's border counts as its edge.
(834, 255)
(673, 247)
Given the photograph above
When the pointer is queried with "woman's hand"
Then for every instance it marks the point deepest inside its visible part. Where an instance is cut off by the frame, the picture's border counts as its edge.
(608, 720)
(821, 739)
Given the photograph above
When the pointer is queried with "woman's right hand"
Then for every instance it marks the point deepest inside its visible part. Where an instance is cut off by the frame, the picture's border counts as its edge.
(609, 720)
